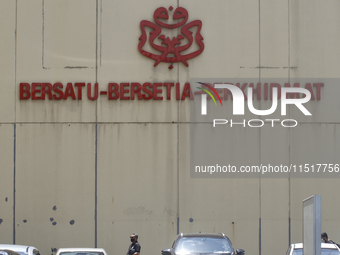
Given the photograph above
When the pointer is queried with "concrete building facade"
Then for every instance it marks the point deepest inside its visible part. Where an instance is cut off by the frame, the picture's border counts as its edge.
(84, 171)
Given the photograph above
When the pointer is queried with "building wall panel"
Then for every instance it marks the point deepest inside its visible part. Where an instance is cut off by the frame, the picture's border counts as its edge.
(7, 61)
(137, 185)
(272, 230)
(55, 185)
(234, 31)
(7, 183)
(227, 205)
(313, 38)
(69, 34)
(274, 39)
(30, 66)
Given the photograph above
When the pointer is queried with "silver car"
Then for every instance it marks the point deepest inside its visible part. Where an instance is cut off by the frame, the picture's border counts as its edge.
(202, 243)
(21, 249)
(81, 251)
(326, 249)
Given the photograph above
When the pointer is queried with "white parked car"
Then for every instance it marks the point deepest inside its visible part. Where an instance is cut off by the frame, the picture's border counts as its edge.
(326, 249)
(21, 249)
(81, 251)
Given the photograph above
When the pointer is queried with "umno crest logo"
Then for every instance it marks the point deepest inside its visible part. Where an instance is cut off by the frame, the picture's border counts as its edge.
(186, 45)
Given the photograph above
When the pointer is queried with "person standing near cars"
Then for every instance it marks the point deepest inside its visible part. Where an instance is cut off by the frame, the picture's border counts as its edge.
(324, 239)
(134, 248)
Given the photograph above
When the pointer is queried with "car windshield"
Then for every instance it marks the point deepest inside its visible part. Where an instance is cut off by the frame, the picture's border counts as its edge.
(201, 245)
(16, 252)
(323, 252)
(82, 253)
(12, 252)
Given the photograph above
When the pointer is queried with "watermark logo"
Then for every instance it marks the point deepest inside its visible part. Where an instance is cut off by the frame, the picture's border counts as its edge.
(204, 97)
(239, 98)
(264, 127)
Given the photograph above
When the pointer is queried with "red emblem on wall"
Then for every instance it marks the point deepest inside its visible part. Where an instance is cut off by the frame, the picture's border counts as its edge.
(171, 50)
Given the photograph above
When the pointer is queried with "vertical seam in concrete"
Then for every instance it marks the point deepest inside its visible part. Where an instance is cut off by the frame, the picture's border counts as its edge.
(259, 11)
(43, 33)
(96, 189)
(259, 4)
(260, 241)
(96, 142)
(178, 179)
(100, 32)
(14, 179)
(289, 202)
(96, 73)
(288, 41)
(289, 236)
(14, 128)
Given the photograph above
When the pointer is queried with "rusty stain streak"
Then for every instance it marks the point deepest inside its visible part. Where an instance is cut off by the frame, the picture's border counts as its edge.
(137, 210)
(269, 67)
(266, 67)
(233, 230)
(173, 229)
(169, 211)
(75, 67)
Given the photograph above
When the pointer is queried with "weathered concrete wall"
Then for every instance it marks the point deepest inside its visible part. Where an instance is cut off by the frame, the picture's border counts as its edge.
(89, 173)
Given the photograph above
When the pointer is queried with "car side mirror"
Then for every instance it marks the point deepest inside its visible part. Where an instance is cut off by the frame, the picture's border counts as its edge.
(166, 252)
(240, 252)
